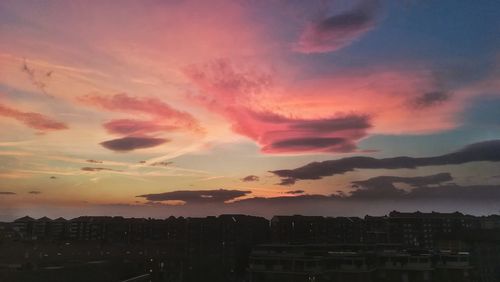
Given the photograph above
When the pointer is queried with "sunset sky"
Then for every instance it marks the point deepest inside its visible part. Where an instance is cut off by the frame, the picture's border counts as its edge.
(154, 108)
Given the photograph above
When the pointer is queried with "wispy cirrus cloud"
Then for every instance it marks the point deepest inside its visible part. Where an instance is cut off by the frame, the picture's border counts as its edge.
(481, 151)
(31, 119)
(97, 169)
(161, 164)
(331, 33)
(37, 79)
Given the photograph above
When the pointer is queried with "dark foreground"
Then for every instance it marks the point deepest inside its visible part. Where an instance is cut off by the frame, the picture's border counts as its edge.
(407, 247)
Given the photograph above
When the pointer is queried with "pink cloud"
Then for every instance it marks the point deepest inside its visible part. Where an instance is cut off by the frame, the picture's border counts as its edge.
(163, 118)
(330, 33)
(237, 95)
(399, 100)
(328, 113)
(142, 105)
(34, 120)
(136, 127)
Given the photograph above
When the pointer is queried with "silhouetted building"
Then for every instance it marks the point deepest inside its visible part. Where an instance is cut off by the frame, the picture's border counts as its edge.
(356, 263)
(377, 229)
(484, 247)
(317, 229)
(412, 247)
(419, 230)
(297, 228)
(7, 233)
(58, 229)
(219, 247)
(310, 262)
(24, 227)
(345, 230)
(490, 222)
(41, 228)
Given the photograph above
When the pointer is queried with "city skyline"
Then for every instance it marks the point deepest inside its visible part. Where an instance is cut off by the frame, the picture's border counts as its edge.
(399, 246)
(334, 108)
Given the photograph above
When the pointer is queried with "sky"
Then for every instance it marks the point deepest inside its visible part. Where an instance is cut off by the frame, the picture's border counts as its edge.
(193, 108)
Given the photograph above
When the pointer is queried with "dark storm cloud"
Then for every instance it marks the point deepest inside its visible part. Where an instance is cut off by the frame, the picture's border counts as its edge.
(197, 196)
(328, 34)
(7, 193)
(250, 178)
(95, 169)
(94, 161)
(34, 192)
(132, 143)
(482, 151)
(53, 177)
(430, 99)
